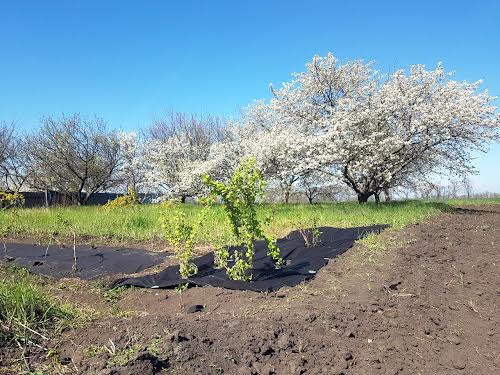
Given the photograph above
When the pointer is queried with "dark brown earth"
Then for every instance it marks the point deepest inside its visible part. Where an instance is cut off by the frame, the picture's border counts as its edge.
(424, 300)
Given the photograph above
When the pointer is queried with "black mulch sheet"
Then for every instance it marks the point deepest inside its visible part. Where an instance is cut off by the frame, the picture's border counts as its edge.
(302, 263)
(91, 262)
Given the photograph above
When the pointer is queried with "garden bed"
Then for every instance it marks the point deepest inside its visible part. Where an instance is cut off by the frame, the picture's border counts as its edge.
(423, 299)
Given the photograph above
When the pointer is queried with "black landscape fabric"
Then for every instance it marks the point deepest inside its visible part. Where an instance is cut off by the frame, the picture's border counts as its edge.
(91, 262)
(302, 263)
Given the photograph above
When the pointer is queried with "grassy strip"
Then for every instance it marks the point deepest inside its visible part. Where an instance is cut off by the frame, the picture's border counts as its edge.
(471, 202)
(141, 223)
(27, 312)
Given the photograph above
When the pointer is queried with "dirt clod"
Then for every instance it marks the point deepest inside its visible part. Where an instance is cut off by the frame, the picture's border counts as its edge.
(195, 308)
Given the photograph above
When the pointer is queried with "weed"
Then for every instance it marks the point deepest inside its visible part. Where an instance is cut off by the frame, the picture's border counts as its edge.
(459, 278)
(52, 352)
(372, 244)
(154, 347)
(217, 369)
(137, 222)
(181, 288)
(124, 356)
(110, 295)
(95, 350)
(26, 311)
(114, 294)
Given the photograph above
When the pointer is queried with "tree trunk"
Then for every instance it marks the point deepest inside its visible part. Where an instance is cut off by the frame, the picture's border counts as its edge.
(183, 198)
(377, 198)
(387, 194)
(363, 197)
(80, 199)
(310, 199)
(286, 196)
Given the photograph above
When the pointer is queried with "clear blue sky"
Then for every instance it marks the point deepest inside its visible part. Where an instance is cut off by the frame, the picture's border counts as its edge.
(130, 61)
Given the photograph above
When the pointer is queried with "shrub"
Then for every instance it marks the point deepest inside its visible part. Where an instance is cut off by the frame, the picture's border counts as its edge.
(10, 200)
(128, 200)
(181, 235)
(239, 196)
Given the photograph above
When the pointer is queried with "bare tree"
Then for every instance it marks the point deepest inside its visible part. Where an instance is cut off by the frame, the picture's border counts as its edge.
(311, 189)
(315, 185)
(201, 130)
(14, 169)
(74, 156)
(467, 185)
(453, 187)
(6, 137)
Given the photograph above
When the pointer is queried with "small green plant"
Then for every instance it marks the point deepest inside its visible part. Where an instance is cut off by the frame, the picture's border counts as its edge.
(181, 288)
(311, 235)
(95, 350)
(239, 196)
(155, 346)
(181, 235)
(113, 295)
(11, 200)
(128, 200)
(124, 356)
(372, 245)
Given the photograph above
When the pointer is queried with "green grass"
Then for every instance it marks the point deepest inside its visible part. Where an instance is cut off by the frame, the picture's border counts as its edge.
(471, 202)
(138, 224)
(27, 312)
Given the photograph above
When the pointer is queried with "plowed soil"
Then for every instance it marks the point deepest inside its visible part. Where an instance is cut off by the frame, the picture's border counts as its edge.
(425, 300)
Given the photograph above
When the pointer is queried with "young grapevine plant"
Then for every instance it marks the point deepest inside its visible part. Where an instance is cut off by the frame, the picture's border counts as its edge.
(239, 196)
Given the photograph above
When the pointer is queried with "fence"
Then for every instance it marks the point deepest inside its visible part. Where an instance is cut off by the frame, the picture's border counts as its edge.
(54, 198)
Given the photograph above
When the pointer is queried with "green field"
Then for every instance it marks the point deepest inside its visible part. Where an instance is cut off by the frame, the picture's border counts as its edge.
(142, 223)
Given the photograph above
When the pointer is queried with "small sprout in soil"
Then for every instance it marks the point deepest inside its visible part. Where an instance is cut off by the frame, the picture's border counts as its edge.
(311, 235)
(95, 350)
(155, 347)
(181, 288)
(124, 356)
(52, 352)
(113, 295)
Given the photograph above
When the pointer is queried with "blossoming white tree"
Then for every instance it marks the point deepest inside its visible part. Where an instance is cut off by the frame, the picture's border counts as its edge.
(279, 148)
(179, 151)
(334, 122)
(372, 130)
(132, 168)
